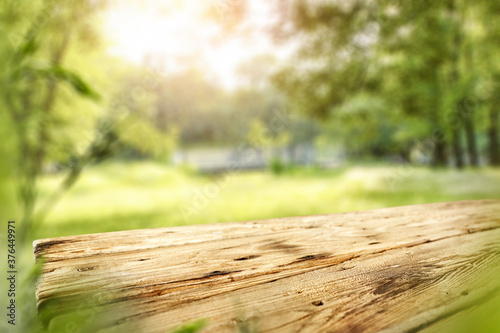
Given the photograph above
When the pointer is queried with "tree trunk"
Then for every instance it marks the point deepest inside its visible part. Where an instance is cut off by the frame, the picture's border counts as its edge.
(439, 158)
(48, 104)
(470, 133)
(493, 137)
(457, 149)
(454, 84)
(467, 112)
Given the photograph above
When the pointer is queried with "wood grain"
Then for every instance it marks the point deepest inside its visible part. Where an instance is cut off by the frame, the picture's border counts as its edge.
(410, 269)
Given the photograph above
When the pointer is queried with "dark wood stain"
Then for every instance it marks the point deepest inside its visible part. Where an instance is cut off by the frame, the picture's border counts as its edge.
(44, 247)
(312, 257)
(247, 257)
(217, 273)
(280, 245)
(85, 269)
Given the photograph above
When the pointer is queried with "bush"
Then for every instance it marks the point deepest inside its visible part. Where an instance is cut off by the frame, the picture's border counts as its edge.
(277, 166)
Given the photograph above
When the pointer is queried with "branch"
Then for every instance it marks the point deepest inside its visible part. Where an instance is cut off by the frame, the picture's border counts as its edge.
(100, 148)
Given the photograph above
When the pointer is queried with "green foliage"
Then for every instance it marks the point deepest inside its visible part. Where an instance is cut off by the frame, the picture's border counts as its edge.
(365, 125)
(259, 135)
(277, 166)
(420, 63)
(77, 83)
(144, 138)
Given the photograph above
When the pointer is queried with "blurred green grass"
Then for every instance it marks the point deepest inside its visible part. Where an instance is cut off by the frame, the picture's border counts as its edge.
(122, 196)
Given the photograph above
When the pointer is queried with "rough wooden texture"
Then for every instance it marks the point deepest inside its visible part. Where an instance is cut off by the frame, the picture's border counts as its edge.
(399, 269)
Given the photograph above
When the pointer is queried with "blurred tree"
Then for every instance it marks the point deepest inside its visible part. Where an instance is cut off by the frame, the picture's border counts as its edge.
(198, 108)
(52, 106)
(228, 14)
(487, 45)
(428, 39)
(205, 114)
(365, 126)
(40, 36)
(420, 57)
(333, 63)
(255, 73)
(141, 131)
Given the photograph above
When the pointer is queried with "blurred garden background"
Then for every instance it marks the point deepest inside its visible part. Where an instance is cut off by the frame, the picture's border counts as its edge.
(119, 115)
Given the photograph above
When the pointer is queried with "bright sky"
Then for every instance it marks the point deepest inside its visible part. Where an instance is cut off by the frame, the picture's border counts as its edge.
(173, 29)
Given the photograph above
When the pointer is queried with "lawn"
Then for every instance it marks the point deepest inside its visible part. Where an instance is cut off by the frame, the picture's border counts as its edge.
(122, 196)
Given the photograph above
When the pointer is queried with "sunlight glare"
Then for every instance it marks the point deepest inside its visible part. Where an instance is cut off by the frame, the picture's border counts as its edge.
(178, 33)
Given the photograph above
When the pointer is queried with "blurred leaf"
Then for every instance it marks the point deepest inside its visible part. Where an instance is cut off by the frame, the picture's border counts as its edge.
(76, 81)
(191, 327)
(80, 86)
(28, 48)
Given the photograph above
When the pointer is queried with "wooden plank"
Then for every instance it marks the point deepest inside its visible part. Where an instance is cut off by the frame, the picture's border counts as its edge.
(397, 269)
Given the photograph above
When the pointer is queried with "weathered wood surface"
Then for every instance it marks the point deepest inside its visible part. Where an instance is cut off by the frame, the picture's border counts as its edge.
(413, 268)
